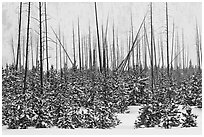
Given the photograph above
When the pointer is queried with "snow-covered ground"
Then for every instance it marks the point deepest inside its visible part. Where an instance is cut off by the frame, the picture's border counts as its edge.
(125, 128)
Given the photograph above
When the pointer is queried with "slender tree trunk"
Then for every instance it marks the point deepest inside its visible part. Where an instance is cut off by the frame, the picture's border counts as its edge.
(23, 58)
(197, 47)
(159, 56)
(12, 46)
(26, 62)
(74, 49)
(128, 44)
(31, 46)
(117, 50)
(63, 41)
(79, 46)
(37, 63)
(155, 56)
(46, 41)
(56, 56)
(94, 55)
(133, 55)
(60, 53)
(114, 58)
(167, 41)
(183, 50)
(172, 50)
(98, 38)
(187, 56)
(86, 54)
(90, 50)
(82, 52)
(104, 52)
(106, 44)
(145, 50)
(162, 52)
(19, 38)
(41, 52)
(152, 56)
(200, 43)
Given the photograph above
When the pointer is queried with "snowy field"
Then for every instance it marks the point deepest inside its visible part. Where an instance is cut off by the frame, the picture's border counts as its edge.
(125, 128)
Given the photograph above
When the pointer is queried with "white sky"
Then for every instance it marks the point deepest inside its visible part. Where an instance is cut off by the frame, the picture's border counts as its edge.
(66, 14)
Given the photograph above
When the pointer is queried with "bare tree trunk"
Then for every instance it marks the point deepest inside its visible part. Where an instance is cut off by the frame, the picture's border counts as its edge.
(19, 37)
(63, 42)
(128, 43)
(145, 50)
(176, 51)
(46, 41)
(79, 46)
(133, 55)
(117, 50)
(90, 50)
(26, 62)
(152, 56)
(183, 50)
(172, 50)
(94, 55)
(37, 52)
(162, 52)
(82, 53)
(98, 38)
(106, 44)
(159, 56)
(200, 41)
(104, 52)
(74, 49)
(56, 56)
(23, 58)
(167, 41)
(114, 58)
(41, 52)
(31, 46)
(197, 47)
(155, 55)
(60, 52)
(86, 55)
(12, 46)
